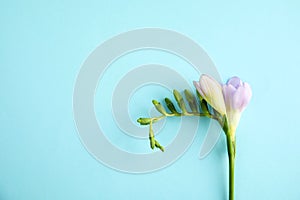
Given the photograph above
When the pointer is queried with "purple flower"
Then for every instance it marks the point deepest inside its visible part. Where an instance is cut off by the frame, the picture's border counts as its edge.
(229, 99)
(237, 96)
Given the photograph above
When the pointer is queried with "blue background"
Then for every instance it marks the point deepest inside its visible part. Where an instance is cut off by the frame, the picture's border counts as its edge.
(42, 46)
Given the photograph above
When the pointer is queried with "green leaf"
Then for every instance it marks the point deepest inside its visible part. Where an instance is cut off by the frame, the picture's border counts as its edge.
(191, 100)
(180, 101)
(171, 106)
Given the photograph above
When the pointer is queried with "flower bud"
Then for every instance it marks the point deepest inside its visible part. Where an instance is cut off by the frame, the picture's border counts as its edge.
(211, 91)
(159, 107)
(191, 100)
(144, 121)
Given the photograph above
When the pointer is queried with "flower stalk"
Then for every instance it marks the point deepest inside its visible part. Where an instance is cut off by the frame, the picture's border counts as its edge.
(231, 158)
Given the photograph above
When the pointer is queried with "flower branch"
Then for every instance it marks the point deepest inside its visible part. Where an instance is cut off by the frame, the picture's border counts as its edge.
(224, 103)
(198, 110)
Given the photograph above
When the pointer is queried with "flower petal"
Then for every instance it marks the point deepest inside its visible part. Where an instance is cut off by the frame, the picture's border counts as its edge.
(247, 95)
(228, 93)
(235, 82)
(242, 97)
(197, 86)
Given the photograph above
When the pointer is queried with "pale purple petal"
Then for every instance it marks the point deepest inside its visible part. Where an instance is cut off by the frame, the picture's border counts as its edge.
(228, 93)
(235, 82)
(238, 99)
(247, 95)
(242, 97)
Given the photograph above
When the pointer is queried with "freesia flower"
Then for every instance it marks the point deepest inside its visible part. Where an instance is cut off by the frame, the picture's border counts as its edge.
(237, 96)
(229, 100)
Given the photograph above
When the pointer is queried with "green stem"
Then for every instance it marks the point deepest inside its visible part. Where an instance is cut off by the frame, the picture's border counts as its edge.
(145, 121)
(222, 121)
(231, 157)
(194, 114)
(156, 119)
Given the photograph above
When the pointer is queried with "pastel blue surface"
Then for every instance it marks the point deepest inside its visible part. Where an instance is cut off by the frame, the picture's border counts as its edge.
(42, 46)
